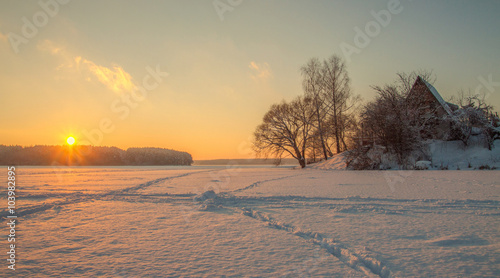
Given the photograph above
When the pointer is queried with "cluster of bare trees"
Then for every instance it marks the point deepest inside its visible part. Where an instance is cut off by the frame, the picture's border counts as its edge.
(401, 123)
(394, 119)
(328, 118)
(315, 125)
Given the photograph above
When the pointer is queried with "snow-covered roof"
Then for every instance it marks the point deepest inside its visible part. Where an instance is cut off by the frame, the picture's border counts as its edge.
(437, 96)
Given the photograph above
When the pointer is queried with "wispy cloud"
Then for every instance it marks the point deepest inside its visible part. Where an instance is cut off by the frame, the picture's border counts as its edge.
(114, 78)
(260, 71)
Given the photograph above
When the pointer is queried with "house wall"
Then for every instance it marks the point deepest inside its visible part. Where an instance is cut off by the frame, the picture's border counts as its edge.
(428, 111)
(424, 101)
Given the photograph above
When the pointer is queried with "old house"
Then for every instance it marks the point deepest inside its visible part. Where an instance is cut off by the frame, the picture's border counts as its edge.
(426, 109)
(430, 110)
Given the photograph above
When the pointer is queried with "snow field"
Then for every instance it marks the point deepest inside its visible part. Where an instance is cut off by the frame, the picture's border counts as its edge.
(258, 222)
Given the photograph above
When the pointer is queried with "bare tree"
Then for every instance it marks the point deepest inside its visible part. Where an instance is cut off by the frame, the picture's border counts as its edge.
(312, 124)
(492, 132)
(286, 130)
(339, 98)
(313, 88)
(387, 118)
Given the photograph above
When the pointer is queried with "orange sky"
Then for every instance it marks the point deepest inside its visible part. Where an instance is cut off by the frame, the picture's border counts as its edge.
(181, 75)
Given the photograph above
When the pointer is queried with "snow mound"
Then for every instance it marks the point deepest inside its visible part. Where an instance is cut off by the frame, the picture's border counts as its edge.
(336, 162)
(453, 156)
(423, 165)
(433, 155)
(208, 201)
(210, 194)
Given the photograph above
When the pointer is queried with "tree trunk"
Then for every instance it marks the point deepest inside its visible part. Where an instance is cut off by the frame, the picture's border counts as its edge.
(337, 135)
(321, 137)
(302, 162)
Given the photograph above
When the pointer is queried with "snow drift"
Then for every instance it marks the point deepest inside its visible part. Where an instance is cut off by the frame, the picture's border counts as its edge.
(436, 155)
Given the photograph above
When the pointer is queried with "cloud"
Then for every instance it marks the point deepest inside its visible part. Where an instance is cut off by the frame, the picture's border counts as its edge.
(114, 78)
(261, 71)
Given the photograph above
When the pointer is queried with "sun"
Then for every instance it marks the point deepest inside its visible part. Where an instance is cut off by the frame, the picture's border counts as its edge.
(70, 140)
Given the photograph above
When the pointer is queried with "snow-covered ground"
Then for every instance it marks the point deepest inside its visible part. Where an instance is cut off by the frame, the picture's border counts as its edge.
(258, 222)
(444, 155)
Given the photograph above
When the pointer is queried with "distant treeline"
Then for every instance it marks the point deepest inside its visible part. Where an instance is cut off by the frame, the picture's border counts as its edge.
(252, 161)
(90, 156)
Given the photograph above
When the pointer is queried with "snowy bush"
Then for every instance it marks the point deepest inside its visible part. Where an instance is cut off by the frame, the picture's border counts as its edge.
(359, 159)
(475, 117)
(388, 119)
(423, 165)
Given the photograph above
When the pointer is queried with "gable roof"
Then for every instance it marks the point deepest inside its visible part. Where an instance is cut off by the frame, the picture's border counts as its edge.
(435, 93)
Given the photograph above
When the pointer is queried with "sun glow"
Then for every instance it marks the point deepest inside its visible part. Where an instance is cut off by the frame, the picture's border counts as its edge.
(70, 140)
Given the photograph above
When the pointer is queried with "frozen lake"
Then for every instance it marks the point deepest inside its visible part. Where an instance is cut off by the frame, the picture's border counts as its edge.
(263, 222)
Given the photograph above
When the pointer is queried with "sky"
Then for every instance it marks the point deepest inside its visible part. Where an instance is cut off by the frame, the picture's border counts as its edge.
(198, 76)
